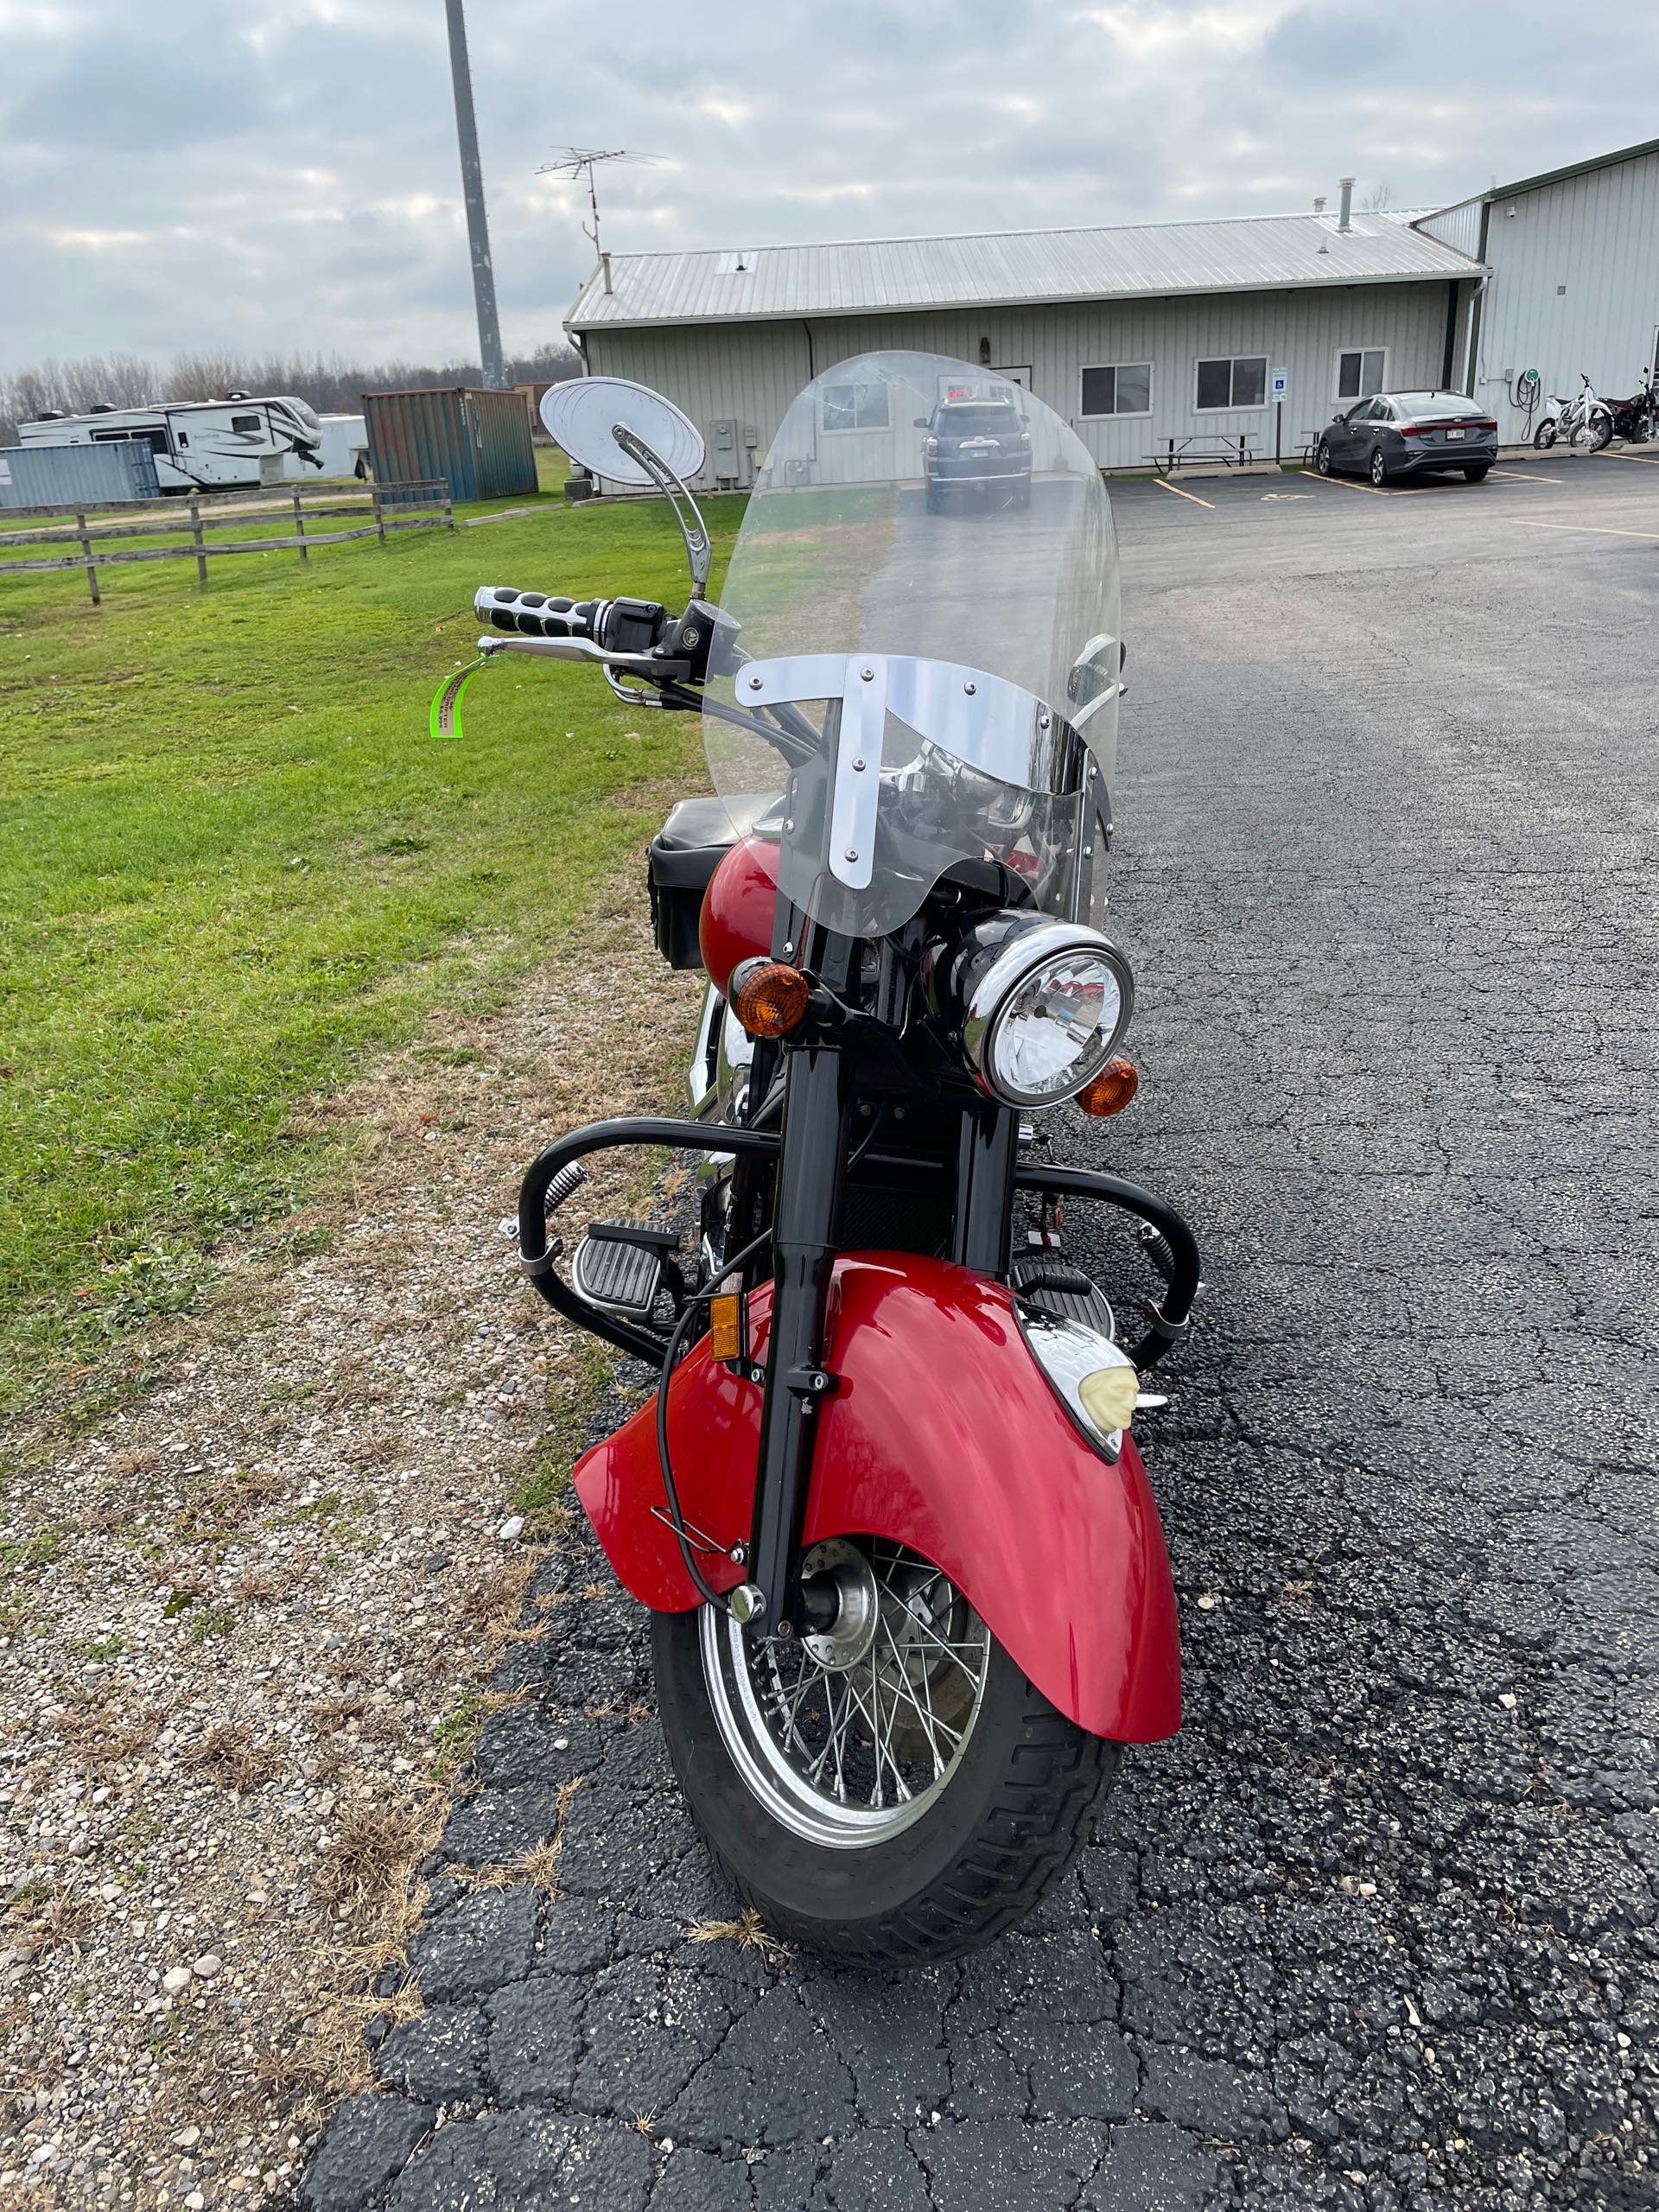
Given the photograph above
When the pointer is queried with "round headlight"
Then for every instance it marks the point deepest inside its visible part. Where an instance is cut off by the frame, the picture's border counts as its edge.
(1044, 1011)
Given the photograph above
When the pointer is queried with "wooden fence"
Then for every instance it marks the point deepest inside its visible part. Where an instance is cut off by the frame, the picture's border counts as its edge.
(392, 506)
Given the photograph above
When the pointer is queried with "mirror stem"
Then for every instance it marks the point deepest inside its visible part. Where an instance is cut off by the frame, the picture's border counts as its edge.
(695, 532)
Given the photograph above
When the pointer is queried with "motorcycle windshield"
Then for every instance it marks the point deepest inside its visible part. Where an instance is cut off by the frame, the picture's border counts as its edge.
(925, 596)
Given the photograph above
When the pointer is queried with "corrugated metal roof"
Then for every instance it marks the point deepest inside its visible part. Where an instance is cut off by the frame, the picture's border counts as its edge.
(1013, 267)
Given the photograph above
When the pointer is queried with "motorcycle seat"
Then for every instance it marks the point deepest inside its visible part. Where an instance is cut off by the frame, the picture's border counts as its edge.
(699, 825)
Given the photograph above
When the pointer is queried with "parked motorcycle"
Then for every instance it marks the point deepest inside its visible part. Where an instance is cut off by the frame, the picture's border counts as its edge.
(909, 1590)
(1637, 419)
(1583, 420)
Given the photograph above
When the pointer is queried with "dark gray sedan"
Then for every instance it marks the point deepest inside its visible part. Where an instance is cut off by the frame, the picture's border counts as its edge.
(1409, 433)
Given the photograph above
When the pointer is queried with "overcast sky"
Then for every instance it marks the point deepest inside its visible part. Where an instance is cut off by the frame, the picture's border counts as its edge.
(283, 174)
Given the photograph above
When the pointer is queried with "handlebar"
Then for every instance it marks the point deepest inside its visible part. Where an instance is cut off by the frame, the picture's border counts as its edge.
(534, 614)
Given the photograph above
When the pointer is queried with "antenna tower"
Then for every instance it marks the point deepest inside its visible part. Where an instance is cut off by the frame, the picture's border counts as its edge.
(580, 162)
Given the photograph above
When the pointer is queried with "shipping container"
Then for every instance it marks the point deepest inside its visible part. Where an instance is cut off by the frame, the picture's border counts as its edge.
(477, 443)
(72, 475)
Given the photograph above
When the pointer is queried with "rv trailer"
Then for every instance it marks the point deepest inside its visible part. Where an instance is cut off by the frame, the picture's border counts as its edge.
(199, 445)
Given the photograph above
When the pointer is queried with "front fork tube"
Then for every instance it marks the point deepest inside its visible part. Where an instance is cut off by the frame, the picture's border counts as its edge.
(810, 1171)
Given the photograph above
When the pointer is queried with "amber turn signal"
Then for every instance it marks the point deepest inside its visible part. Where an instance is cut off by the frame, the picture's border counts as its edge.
(726, 1327)
(1110, 1091)
(768, 998)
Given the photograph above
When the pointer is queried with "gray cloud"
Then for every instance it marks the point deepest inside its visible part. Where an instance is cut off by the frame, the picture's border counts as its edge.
(286, 177)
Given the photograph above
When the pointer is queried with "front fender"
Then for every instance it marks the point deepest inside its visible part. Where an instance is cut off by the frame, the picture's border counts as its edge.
(944, 1435)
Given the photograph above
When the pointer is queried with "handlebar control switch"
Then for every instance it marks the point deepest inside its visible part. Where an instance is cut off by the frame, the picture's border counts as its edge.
(632, 625)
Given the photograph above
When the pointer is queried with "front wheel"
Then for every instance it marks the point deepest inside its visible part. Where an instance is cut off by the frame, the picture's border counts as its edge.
(893, 1791)
(1598, 432)
(1322, 459)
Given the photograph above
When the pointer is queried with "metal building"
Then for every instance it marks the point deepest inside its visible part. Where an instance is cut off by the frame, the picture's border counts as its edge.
(1147, 338)
(1572, 286)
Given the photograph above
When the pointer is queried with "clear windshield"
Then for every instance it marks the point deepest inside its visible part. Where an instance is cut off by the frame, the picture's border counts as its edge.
(926, 594)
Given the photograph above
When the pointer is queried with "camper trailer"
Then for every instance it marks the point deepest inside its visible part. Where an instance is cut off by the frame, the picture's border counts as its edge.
(199, 445)
(344, 451)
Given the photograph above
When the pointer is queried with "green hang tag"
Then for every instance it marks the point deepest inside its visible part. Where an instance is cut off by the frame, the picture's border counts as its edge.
(444, 720)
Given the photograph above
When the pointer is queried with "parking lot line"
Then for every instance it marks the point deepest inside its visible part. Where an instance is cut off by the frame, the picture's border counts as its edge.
(1527, 476)
(1348, 484)
(1595, 530)
(1647, 460)
(1179, 495)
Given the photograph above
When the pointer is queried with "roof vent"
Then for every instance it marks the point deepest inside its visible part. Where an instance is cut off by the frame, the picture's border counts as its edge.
(1345, 210)
(733, 264)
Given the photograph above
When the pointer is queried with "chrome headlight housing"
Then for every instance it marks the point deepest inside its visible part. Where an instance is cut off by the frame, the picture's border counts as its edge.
(1042, 1005)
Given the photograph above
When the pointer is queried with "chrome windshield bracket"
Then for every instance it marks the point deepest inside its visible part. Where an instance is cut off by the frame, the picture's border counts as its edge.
(861, 729)
(978, 720)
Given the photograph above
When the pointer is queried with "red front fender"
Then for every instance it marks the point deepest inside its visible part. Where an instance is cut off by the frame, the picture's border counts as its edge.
(944, 1435)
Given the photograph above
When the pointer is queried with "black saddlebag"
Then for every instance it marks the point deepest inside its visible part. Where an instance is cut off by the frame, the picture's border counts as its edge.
(683, 856)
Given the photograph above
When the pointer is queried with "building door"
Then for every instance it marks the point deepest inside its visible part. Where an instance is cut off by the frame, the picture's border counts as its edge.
(1021, 376)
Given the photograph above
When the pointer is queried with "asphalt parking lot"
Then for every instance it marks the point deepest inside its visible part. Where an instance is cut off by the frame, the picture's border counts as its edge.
(1377, 1930)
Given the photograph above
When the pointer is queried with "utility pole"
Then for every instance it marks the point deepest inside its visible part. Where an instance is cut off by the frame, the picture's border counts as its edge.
(471, 185)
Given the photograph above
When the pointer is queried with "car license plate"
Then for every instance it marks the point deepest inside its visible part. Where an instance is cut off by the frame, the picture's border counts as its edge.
(1456, 434)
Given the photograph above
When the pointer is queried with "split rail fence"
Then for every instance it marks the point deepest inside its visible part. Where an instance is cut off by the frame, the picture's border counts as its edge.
(392, 506)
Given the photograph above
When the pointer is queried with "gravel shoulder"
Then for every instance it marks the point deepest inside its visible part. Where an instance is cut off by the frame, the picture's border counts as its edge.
(246, 1623)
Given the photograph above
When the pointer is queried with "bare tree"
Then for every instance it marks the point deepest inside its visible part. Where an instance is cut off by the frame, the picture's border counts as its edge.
(332, 385)
(1380, 198)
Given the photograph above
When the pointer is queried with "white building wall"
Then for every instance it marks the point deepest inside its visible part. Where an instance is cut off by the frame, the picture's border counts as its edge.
(750, 372)
(1574, 287)
(1458, 226)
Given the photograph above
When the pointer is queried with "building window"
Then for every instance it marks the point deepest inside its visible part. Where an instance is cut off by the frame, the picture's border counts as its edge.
(1362, 372)
(1120, 387)
(854, 406)
(1239, 383)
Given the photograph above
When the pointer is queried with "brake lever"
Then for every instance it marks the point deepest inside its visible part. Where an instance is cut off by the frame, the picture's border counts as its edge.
(584, 648)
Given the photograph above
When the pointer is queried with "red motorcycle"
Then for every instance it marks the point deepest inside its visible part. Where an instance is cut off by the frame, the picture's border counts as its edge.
(908, 1586)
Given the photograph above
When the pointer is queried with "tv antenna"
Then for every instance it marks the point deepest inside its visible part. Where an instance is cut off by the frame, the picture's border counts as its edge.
(580, 162)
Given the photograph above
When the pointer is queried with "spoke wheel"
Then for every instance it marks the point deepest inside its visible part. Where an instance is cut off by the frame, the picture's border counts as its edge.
(848, 1736)
(890, 1790)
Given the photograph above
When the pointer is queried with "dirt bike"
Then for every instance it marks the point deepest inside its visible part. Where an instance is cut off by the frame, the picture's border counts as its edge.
(908, 1587)
(1583, 420)
(1637, 419)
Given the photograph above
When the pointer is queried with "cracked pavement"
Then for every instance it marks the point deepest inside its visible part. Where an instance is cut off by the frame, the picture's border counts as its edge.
(1377, 1930)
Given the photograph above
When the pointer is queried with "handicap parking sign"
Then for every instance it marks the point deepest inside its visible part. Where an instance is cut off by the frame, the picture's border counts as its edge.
(1280, 383)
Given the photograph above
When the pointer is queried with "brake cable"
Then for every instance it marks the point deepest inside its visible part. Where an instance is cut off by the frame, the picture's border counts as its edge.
(677, 1516)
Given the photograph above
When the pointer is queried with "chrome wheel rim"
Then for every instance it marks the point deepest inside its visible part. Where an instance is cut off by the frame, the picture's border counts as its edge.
(849, 1738)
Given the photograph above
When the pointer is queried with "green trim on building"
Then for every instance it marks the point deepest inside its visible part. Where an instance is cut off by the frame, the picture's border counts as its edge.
(1573, 169)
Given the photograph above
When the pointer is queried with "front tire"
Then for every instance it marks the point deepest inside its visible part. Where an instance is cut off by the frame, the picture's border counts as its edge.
(1322, 459)
(999, 1790)
(1598, 433)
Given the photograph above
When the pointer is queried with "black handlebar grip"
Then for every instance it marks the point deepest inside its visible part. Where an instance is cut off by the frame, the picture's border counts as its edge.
(536, 615)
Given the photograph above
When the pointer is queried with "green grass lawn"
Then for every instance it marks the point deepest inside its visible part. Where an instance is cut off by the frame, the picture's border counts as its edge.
(233, 862)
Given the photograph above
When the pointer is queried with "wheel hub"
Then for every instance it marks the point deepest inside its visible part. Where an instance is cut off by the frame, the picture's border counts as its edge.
(858, 1608)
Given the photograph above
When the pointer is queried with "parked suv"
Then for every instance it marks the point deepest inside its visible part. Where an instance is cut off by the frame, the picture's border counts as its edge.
(974, 442)
(1409, 433)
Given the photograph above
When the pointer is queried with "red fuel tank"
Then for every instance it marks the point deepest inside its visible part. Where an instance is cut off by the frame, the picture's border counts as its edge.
(737, 908)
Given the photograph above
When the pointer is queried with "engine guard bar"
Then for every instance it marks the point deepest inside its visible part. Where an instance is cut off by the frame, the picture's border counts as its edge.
(536, 1256)
(1171, 1321)
(1169, 1324)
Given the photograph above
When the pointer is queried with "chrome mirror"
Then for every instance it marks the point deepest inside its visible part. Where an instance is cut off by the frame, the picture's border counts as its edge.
(633, 435)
